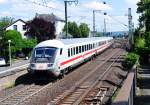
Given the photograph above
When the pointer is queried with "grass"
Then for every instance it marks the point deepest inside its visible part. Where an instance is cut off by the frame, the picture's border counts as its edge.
(9, 85)
(115, 94)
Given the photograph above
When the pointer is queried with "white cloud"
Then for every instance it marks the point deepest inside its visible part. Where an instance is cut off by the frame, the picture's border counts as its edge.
(25, 9)
(97, 6)
(2, 1)
(54, 4)
(79, 13)
(5, 13)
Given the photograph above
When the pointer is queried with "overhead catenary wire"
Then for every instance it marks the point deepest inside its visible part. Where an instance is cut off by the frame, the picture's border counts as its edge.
(121, 23)
(126, 26)
(44, 5)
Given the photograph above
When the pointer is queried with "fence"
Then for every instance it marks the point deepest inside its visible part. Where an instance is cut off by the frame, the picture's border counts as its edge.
(128, 91)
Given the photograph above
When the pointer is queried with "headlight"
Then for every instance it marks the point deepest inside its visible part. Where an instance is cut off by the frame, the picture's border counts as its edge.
(49, 65)
(32, 65)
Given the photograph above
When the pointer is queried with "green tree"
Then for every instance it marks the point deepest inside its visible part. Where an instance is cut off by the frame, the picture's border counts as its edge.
(16, 42)
(73, 29)
(140, 43)
(28, 45)
(144, 10)
(147, 39)
(84, 30)
(41, 29)
(4, 21)
(98, 34)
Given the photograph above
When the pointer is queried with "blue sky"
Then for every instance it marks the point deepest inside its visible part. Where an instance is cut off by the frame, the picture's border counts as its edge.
(82, 12)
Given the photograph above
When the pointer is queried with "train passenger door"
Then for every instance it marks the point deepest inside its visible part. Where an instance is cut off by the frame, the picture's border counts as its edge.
(61, 58)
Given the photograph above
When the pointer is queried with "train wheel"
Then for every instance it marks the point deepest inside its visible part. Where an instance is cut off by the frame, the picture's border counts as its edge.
(30, 73)
(62, 74)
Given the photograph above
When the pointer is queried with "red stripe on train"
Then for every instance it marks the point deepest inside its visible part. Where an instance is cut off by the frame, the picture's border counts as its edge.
(70, 60)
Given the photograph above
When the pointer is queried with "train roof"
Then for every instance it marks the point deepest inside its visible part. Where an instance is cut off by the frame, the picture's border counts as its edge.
(66, 42)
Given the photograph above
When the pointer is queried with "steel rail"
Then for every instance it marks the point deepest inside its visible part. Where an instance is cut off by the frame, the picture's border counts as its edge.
(13, 94)
(96, 82)
(65, 94)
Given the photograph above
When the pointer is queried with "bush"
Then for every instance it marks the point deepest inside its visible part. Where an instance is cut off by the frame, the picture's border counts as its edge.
(130, 60)
(140, 43)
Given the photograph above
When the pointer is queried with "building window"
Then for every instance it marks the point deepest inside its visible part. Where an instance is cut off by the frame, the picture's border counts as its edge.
(24, 27)
(15, 27)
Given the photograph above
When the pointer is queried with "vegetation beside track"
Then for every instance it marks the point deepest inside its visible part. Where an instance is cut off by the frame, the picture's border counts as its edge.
(130, 60)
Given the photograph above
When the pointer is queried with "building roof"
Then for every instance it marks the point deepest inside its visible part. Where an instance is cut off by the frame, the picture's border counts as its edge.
(14, 23)
(49, 17)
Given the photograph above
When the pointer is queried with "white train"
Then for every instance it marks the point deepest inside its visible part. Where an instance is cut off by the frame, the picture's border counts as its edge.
(56, 56)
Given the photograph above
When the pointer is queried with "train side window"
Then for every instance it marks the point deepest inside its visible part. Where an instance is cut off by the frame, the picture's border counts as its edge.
(80, 50)
(68, 52)
(71, 52)
(90, 46)
(87, 47)
(84, 48)
(74, 50)
(77, 50)
(93, 45)
(61, 51)
(102, 43)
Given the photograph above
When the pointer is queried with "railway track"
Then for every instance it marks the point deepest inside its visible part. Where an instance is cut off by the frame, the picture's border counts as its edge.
(75, 95)
(17, 97)
(52, 92)
(96, 95)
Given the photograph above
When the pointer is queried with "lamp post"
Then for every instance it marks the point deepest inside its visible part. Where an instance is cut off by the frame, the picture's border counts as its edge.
(9, 41)
(105, 24)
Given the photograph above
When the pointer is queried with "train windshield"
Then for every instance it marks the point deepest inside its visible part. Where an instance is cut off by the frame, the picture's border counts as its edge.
(43, 55)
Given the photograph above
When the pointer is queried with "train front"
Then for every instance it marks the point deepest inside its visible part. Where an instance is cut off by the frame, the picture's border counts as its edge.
(43, 60)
